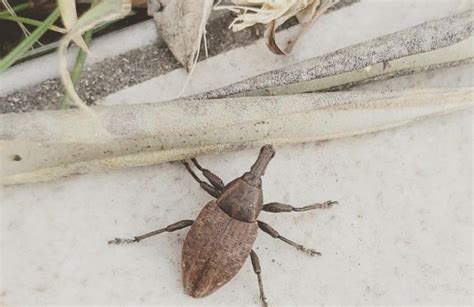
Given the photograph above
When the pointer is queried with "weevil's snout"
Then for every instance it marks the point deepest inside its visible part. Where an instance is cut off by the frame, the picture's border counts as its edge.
(258, 168)
(267, 151)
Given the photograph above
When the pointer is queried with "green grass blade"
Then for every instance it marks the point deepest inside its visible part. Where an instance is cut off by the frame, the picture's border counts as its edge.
(16, 9)
(39, 51)
(53, 46)
(19, 50)
(32, 22)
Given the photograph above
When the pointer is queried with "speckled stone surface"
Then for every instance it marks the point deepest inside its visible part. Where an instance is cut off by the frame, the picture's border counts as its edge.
(402, 233)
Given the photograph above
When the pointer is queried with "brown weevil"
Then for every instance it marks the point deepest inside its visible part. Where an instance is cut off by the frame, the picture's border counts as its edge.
(222, 236)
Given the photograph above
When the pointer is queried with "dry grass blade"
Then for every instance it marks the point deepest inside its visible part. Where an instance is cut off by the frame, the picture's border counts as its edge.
(105, 11)
(274, 13)
(69, 18)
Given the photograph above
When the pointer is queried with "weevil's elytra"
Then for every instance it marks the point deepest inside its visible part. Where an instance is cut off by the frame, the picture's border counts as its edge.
(222, 236)
(215, 249)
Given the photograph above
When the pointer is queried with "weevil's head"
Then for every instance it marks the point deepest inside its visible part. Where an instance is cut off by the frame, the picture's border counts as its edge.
(253, 177)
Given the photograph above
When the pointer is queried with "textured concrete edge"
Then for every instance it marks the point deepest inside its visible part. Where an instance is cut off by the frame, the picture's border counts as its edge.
(426, 37)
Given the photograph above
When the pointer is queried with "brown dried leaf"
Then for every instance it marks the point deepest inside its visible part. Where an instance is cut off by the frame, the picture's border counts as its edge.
(306, 17)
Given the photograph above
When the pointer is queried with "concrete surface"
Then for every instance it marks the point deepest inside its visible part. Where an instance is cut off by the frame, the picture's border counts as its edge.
(402, 233)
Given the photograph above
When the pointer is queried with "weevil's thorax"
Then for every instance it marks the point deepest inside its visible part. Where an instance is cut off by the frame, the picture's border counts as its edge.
(241, 200)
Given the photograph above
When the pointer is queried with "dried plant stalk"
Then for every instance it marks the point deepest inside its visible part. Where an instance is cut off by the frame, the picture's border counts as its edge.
(275, 13)
(438, 43)
(107, 10)
(47, 145)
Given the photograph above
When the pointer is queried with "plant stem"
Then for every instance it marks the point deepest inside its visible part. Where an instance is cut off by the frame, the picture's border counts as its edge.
(32, 22)
(77, 69)
(52, 46)
(16, 9)
(32, 53)
(39, 51)
(79, 65)
(25, 44)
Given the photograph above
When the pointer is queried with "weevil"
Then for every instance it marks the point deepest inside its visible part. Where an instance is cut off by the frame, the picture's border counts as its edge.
(222, 236)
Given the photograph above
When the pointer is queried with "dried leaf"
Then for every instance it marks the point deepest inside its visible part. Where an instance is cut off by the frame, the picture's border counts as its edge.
(274, 13)
(307, 18)
(182, 24)
(435, 44)
(106, 10)
(54, 144)
(69, 18)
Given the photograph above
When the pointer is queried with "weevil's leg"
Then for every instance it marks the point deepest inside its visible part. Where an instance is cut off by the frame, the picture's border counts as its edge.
(258, 270)
(279, 207)
(272, 232)
(204, 185)
(170, 228)
(215, 180)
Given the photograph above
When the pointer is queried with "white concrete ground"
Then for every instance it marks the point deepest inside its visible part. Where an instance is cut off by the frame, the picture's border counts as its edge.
(402, 233)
